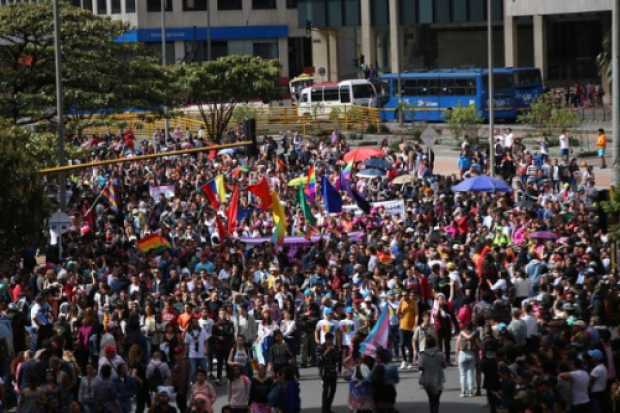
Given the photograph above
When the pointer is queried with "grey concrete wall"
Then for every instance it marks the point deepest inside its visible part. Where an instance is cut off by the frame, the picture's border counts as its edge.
(533, 7)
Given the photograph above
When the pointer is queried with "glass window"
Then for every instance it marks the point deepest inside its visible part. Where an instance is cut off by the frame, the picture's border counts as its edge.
(155, 5)
(363, 92)
(345, 95)
(229, 4)
(305, 97)
(263, 4)
(501, 82)
(102, 7)
(197, 51)
(266, 50)
(194, 5)
(527, 78)
(130, 6)
(88, 5)
(116, 6)
(331, 94)
(317, 95)
(75, 3)
(291, 4)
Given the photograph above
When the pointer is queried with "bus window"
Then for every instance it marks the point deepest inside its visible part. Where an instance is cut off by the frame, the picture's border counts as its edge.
(501, 82)
(527, 78)
(363, 91)
(408, 87)
(458, 87)
(305, 97)
(345, 95)
(317, 95)
(330, 94)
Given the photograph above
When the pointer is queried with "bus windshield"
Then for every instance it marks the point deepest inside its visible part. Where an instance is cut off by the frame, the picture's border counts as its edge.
(527, 78)
(363, 91)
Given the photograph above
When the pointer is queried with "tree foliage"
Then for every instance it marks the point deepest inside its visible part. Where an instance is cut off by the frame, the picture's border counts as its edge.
(462, 119)
(612, 207)
(218, 86)
(603, 59)
(98, 73)
(23, 202)
(549, 115)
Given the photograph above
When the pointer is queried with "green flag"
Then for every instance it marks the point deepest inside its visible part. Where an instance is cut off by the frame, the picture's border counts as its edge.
(305, 208)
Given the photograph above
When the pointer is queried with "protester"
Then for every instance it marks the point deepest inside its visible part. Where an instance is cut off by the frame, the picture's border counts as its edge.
(432, 364)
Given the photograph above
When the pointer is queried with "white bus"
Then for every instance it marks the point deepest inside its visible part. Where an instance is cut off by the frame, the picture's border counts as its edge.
(320, 99)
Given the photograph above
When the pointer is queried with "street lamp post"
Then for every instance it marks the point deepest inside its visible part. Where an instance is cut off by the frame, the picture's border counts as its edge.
(208, 32)
(62, 179)
(163, 62)
(615, 93)
(491, 89)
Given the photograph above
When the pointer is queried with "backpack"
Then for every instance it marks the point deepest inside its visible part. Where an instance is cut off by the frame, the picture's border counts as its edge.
(482, 312)
(156, 378)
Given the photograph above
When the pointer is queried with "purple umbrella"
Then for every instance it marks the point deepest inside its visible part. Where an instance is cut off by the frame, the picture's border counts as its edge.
(544, 235)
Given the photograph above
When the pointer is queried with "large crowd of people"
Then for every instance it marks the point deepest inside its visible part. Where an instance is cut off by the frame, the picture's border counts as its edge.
(515, 288)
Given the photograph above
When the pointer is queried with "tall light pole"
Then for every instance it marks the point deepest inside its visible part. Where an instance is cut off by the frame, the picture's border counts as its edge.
(491, 88)
(615, 92)
(163, 62)
(208, 31)
(62, 179)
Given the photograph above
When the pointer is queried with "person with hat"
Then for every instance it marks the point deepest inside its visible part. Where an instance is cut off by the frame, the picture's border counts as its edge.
(111, 358)
(598, 377)
(161, 402)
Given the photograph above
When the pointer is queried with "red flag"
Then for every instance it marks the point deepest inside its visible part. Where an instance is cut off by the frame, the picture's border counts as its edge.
(212, 154)
(262, 191)
(221, 229)
(233, 209)
(210, 192)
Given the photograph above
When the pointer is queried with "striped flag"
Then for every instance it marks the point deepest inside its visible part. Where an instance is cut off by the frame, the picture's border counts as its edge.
(211, 193)
(378, 336)
(310, 189)
(109, 193)
(153, 242)
(220, 187)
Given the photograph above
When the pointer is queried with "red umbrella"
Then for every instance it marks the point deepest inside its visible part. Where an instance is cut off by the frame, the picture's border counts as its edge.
(362, 154)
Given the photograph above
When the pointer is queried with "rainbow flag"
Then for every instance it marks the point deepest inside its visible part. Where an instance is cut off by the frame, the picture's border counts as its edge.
(220, 188)
(279, 219)
(109, 193)
(153, 242)
(344, 180)
(378, 336)
(310, 189)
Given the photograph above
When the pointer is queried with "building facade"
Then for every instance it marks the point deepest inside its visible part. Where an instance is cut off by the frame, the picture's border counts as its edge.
(266, 28)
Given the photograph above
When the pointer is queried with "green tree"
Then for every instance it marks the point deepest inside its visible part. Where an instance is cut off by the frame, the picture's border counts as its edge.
(612, 207)
(23, 202)
(218, 86)
(462, 119)
(98, 74)
(603, 59)
(549, 116)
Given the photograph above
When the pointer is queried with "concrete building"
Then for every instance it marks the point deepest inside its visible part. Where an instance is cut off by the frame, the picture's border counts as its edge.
(562, 37)
(266, 28)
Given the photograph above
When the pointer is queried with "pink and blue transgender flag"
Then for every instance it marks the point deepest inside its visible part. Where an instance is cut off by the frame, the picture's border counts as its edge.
(378, 336)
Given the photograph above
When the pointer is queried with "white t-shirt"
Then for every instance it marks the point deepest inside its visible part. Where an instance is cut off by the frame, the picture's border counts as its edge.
(599, 378)
(531, 324)
(580, 382)
(564, 142)
(195, 340)
(508, 139)
(326, 326)
(347, 329)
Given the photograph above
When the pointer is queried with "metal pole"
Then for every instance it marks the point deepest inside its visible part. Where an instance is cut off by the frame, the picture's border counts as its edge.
(401, 109)
(615, 93)
(163, 62)
(491, 89)
(208, 32)
(62, 179)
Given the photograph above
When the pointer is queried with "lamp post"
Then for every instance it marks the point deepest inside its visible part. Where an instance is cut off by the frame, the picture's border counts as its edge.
(62, 179)
(208, 31)
(491, 107)
(163, 62)
(615, 92)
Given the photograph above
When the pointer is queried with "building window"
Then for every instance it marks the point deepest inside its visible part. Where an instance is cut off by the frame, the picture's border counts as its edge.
(194, 5)
(116, 6)
(155, 5)
(266, 50)
(263, 4)
(75, 3)
(88, 5)
(102, 7)
(291, 4)
(197, 51)
(229, 4)
(130, 6)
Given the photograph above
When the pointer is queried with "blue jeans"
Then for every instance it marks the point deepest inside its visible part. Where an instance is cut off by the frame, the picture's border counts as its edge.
(467, 370)
(194, 363)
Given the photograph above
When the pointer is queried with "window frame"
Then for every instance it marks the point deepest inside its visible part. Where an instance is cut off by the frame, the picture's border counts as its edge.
(272, 6)
(130, 9)
(105, 7)
(227, 5)
(347, 94)
(167, 6)
(186, 8)
(114, 10)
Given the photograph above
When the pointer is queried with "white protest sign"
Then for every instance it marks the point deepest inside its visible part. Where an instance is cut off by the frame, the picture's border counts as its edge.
(393, 207)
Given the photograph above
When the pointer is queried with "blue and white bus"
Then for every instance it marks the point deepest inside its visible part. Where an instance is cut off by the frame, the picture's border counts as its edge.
(426, 96)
